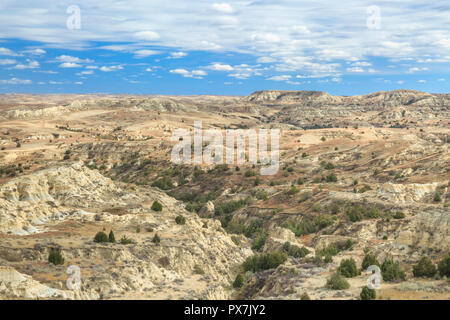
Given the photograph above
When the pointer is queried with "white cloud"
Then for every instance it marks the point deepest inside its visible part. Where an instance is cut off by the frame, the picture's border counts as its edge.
(416, 69)
(31, 64)
(15, 81)
(220, 67)
(147, 35)
(111, 68)
(145, 53)
(265, 29)
(7, 61)
(177, 55)
(223, 7)
(422, 81)
(265, 60)
(361, 64)
(355, 69)
(78, 82)
(441, 80)
(197, 74)
(65, 58)
(36, 52)
(400, 82)
(283, 77)
(87, 72)
(70, 65)
(8, 52)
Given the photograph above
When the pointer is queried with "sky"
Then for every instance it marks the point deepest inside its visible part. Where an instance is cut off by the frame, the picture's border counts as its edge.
(225, 48)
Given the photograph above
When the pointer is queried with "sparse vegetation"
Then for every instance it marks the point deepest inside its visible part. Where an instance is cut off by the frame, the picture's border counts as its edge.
(156, 206)
(55, 256)
(337, 282)
(368, 294)
(238, 281)
(348, 268)
(180, 220)
(101, 237)
(264, 261)
(424, 268)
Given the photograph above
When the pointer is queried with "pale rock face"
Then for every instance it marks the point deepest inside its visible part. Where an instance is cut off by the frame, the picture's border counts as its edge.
(207, 210)
(406, 193)
(16, 285)
(38, 201)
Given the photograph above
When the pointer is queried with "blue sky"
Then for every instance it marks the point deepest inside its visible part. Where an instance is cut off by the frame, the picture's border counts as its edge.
(229, 47)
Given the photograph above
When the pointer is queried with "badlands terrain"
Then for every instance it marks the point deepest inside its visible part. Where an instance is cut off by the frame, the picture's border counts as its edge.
(360, 176)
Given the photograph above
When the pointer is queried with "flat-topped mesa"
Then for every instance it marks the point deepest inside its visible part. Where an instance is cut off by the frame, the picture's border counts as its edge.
(289, 96)
(394, 98)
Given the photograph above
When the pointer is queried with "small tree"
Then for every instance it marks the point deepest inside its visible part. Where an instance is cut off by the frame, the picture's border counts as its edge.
(180, 220)
(238, 282)
(425, 268)
(55, 256)
(444, 266)
(391, 271)
(337, 282)
(111, 237)
(305, 296)
(348, 268)
(101, 237)
(368, 294)
(156, 206)
(156, 239)
(125, 240)
(437, 197)
(369, 260)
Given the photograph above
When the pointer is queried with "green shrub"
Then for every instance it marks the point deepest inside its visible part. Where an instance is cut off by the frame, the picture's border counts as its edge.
(373, 213)
(250, 173)
(55, 256)
(332, 177)
(369, 260)
(330, 250)
(156, 239)
(348, 244)
(355, 213)
(337, 282)
(111, 237)
(125, 240)
(230, 206)
(348, 268)
(437, 197)
(391, 271)
(293, 190)
(259, 241)
(424, 268)
(238, 282)
(156, 206)
(101, 237)
(163, 183)
(264, 261)
(305, 296)
(368, 294)
(180, 220)
(399, 215)
(294, 251)
(444, 266)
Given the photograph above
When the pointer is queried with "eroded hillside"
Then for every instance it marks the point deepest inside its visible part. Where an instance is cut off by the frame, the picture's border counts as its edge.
(359, 176)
